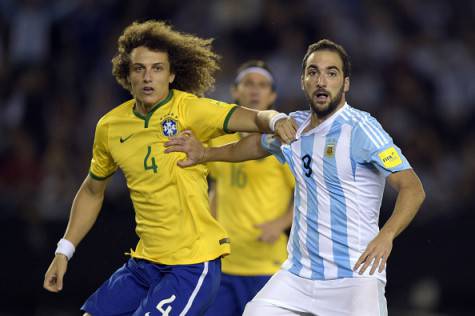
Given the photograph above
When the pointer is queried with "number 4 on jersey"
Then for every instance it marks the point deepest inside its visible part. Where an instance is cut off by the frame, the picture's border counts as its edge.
(146, 164)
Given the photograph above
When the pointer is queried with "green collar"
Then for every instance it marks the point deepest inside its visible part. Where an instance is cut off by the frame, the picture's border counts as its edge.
(147, 117)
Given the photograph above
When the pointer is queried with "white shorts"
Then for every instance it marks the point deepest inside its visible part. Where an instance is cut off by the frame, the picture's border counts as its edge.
(288, 294)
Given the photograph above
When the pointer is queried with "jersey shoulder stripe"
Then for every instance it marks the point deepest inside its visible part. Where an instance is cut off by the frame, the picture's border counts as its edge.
(373, 126)
(370, 127)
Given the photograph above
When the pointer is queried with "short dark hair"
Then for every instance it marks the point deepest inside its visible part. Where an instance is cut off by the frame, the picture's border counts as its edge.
(255, 63)
(326, 44)
(192, 59)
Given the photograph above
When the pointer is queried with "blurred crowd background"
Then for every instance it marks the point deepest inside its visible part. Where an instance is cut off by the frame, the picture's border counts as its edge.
(413, 69)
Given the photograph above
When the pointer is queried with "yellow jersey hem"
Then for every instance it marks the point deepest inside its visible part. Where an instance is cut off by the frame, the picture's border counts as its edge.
(209, 257)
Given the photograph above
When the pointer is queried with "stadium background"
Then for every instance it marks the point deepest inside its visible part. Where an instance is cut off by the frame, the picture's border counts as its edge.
(413, 69)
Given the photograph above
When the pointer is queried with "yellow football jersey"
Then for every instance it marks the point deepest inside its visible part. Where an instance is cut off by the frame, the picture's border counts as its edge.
(250, 193)
(171, 206)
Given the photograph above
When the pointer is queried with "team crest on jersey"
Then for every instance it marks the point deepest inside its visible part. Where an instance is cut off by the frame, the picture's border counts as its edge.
(330, 150)
(169, 127)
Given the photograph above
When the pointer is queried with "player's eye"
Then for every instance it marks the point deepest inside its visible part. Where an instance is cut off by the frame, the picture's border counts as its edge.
(311, 72)
(264, 85)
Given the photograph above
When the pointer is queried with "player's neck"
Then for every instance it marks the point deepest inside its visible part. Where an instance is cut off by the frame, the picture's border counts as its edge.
(143, 108)
(316, 119)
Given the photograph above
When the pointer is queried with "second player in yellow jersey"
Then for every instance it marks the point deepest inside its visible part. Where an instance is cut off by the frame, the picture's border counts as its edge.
(252, 200)
(247, 194)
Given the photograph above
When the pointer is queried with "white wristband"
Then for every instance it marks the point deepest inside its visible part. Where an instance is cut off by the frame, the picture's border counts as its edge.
(276, 118)
(65, 247)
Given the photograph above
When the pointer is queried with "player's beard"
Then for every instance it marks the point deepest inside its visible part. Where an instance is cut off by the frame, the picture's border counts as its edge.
(332, 105)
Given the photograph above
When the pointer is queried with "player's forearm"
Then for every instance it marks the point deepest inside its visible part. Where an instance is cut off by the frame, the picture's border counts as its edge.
(248, 148)
(84, 211)
(248, 120)
(263, 120)
(408, 202)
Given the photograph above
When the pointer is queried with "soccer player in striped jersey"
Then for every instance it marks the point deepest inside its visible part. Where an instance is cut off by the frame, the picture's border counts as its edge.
(175, 268)
(252, 200)
(341, 159)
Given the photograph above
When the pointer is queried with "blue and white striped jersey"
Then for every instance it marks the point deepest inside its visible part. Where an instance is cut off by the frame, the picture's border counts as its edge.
(340, 168)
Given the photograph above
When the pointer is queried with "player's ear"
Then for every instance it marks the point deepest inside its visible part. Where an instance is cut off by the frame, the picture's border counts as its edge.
(346, 84)
(171, 78)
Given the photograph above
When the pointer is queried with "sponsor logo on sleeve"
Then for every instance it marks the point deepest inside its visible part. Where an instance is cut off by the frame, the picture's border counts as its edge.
(390, 158)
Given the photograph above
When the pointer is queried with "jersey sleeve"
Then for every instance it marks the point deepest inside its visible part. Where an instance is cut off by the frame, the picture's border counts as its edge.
(371, 144)
(207, 118)
(271, 144)
(102, 163)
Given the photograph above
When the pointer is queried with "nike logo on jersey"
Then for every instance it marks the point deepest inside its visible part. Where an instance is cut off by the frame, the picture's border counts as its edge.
(123, 140)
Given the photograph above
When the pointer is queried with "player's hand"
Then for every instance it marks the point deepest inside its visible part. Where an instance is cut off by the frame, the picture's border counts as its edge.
(270, 231)
(286, 129)
(187, 143)
(54, 276)
(376, 254)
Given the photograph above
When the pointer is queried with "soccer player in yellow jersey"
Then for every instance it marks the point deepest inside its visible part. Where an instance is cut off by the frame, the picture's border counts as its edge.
(253, 202)
(175, 268)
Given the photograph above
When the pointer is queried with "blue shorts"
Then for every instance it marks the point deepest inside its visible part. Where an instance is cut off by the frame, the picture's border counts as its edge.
(144, 288)
(234, 293)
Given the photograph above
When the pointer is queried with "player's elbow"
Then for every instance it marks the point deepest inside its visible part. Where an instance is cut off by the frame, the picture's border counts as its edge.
(418, 192)
(94, 188)
(421, 194)
(414, 185)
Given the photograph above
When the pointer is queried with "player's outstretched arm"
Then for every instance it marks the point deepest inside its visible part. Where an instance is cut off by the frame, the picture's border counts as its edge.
(248, 148)
(409, 199)
(84, 211)
(247, 120)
